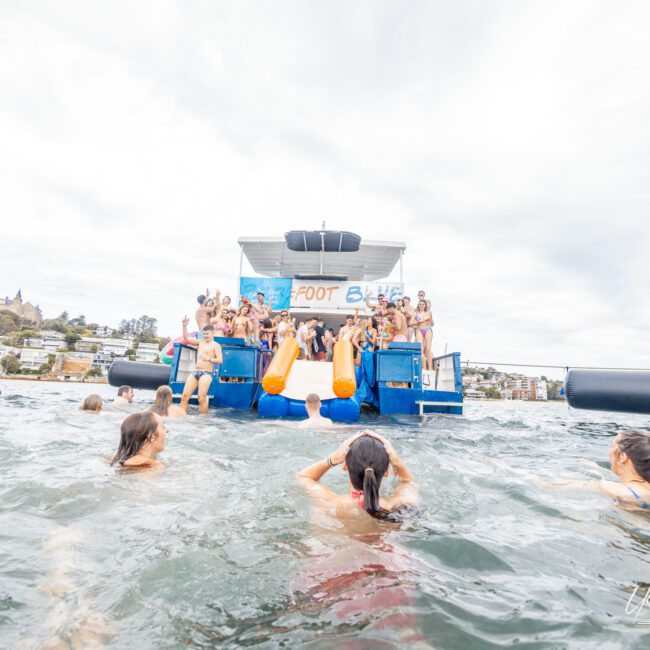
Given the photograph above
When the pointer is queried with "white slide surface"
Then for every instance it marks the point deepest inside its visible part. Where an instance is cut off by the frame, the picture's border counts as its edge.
(310, 377)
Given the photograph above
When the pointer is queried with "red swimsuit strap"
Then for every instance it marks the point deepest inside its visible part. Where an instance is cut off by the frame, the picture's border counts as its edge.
(358, 495)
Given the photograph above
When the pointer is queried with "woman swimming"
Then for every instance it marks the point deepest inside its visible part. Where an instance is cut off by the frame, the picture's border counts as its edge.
(629, 458)
(366, 457)
(142, 438)
(164, 406)
(92, 403)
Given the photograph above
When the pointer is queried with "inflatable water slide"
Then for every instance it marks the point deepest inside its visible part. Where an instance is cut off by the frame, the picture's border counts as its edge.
(288, 381)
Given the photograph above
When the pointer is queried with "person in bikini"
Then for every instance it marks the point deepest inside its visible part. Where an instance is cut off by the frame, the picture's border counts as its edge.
(366, 457)
(629, 460)
(242, 326)
(221, 321)
(409, 312)
(423, 296)
(424, 332)
(365, 338)
(208, 354)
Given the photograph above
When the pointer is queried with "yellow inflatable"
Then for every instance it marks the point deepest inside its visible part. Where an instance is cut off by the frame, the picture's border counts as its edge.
(275, 378)
(344, 383)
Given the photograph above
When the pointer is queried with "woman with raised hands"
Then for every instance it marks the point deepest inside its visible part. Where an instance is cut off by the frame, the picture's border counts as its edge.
(366, 458)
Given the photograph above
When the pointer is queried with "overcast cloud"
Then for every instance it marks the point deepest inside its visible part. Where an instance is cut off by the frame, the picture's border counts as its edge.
(506, 143)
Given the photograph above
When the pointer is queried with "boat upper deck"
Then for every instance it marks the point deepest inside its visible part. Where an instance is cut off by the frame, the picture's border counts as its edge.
(322, 255)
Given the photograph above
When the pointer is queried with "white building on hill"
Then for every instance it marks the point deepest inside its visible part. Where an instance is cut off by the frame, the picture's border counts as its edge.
(118, 347)
(147, 352)
(33, 359)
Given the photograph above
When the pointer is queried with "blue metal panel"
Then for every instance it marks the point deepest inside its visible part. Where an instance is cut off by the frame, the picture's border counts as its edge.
(398, 400)
(240, 362)
(236, 395)
(399, 366)
(399, 345)
(226, 340)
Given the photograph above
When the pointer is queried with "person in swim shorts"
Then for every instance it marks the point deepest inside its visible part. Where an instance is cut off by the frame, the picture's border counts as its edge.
(409, 312)
(208, 354)
(366, 457)
(260, 313)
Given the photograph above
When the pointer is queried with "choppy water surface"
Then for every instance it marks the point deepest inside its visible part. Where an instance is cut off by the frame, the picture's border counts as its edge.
(221, 549)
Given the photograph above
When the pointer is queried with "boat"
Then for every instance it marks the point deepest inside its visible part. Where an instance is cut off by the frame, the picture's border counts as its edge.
(322, 274)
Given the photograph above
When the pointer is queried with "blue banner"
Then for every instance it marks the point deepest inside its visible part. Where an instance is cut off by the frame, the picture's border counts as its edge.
(277, 291)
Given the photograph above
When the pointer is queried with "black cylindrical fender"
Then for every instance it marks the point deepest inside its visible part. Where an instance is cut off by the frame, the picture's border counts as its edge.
(138, 374)
(625, 391)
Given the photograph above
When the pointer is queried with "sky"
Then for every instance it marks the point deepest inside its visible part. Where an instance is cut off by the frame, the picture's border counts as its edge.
(506, 143)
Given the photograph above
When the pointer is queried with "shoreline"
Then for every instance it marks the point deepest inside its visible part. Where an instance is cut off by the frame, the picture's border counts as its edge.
(90, 380)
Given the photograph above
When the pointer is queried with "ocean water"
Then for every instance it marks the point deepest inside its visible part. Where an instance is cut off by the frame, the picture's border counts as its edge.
(223, 550)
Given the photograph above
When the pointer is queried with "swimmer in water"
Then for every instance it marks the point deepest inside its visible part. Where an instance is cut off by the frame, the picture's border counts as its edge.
(314, 419)
(142, 438)
(366, 457)
(124, 396)
(207, 354)
(164, 406)
(92, 403)
(629, 458)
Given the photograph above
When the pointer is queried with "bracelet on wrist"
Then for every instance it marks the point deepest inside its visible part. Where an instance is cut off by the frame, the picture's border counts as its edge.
(329, 462)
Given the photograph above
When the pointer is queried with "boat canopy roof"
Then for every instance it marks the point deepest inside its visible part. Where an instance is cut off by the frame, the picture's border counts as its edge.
(321, 254)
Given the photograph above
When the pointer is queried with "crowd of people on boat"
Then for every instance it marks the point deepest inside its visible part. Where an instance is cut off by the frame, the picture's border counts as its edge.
(383, 321)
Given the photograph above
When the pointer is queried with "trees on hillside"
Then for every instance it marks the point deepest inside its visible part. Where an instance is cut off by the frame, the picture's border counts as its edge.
(11, 364)
(9, 322)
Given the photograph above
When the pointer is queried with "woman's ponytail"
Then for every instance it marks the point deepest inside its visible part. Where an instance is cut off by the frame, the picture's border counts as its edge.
(371, 495)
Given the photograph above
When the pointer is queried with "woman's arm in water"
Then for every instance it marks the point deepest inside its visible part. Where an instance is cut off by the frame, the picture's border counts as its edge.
(608, 488)
(613, 489)
(309, 478)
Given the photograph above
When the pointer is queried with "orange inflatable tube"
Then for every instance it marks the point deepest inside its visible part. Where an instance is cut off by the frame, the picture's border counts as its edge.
(275, 378)
(344, 383)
